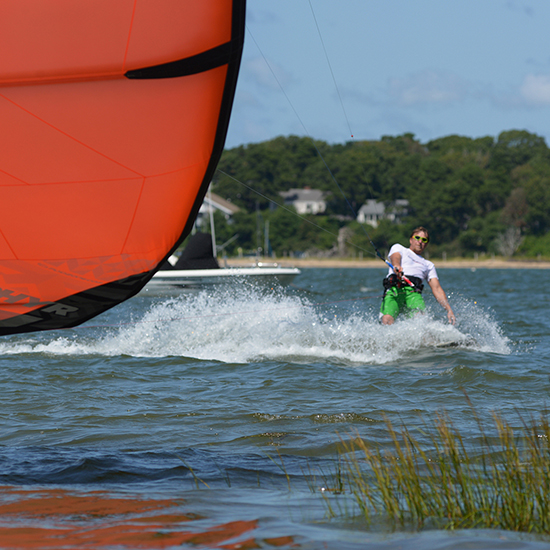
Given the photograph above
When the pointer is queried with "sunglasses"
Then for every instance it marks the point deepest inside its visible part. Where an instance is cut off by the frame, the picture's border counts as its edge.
(419, 238)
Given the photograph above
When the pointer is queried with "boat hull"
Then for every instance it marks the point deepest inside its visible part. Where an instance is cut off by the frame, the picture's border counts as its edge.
(201, 279)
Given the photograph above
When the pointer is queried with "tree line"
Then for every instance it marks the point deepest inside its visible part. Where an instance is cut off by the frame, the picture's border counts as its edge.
(476, 196)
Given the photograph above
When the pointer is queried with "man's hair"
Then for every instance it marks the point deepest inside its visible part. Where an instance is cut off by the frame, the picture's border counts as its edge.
(420, 230)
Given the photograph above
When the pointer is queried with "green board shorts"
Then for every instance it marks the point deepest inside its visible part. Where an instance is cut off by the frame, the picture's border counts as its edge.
(401, 300)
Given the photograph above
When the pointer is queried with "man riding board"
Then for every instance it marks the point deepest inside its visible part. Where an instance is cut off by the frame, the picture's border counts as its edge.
(405, 281)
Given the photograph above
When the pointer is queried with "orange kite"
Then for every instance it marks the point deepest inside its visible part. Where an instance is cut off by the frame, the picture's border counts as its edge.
(113, 117)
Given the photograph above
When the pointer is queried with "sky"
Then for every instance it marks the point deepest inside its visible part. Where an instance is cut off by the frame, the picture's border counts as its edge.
(351, 70)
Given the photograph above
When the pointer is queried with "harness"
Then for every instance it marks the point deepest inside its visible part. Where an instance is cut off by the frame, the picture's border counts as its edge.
(394, 281)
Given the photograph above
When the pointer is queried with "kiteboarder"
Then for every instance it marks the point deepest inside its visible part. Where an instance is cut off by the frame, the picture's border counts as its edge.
(404, 283)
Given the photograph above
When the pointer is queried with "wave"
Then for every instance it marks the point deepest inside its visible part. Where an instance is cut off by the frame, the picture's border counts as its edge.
(245, 325)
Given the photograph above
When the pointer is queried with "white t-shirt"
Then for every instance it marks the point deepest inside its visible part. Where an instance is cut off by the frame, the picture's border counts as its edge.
(413, 264)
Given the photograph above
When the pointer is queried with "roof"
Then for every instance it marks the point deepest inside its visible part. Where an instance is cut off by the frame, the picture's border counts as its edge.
(372, 207)
(303, 195)
(220, 204)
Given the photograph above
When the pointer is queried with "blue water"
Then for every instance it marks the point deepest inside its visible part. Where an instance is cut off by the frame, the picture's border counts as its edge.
(232, 403)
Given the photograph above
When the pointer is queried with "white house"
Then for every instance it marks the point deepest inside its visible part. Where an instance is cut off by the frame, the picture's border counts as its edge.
(373, 211)
(305, 201)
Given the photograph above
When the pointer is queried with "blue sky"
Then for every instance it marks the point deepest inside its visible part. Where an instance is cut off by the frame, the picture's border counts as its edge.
(429, 67)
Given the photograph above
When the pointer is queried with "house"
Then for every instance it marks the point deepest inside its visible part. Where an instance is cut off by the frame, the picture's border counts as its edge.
(305, 201)
(213, 203)
(373, 211)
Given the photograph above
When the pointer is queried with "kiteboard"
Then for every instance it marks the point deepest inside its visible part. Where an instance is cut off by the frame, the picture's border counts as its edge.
(448, 344)
(460, 343)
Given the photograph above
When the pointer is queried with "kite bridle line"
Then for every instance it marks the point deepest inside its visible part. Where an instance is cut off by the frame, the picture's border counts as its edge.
(377, 253)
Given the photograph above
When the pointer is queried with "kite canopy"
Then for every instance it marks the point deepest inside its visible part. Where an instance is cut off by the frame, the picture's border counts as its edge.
(113, 118)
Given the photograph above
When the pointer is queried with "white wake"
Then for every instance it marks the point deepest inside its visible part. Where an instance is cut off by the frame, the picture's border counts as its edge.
(242, 326)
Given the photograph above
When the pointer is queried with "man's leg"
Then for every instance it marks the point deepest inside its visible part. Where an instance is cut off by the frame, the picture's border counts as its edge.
(414, 302)
(389, 309)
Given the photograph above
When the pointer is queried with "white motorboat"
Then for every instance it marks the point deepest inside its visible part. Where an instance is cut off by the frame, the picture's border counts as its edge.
(201, 270)
(196, 279)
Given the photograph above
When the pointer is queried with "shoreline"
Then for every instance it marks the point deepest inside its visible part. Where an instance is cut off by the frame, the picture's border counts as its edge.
(493, 263)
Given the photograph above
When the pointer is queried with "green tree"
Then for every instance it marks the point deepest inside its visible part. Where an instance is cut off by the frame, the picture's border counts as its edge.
(466, 191)
(532, 182)
(516, 147)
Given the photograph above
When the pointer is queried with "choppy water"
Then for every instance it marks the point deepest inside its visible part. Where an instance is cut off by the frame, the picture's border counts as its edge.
(196, 420)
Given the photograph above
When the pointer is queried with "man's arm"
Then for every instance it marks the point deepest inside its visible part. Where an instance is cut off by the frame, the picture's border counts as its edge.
(395, 260)
(440, 296)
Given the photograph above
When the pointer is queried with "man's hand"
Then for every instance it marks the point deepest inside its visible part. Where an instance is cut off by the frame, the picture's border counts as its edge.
(451, 316)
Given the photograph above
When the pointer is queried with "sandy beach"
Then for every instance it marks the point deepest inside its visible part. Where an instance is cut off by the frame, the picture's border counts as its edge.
(485, 263)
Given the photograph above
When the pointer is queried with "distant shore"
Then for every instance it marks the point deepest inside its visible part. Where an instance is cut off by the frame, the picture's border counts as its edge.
(485, 263)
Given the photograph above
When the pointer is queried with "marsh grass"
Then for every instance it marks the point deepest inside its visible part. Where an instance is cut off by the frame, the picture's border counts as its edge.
(501, 481)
